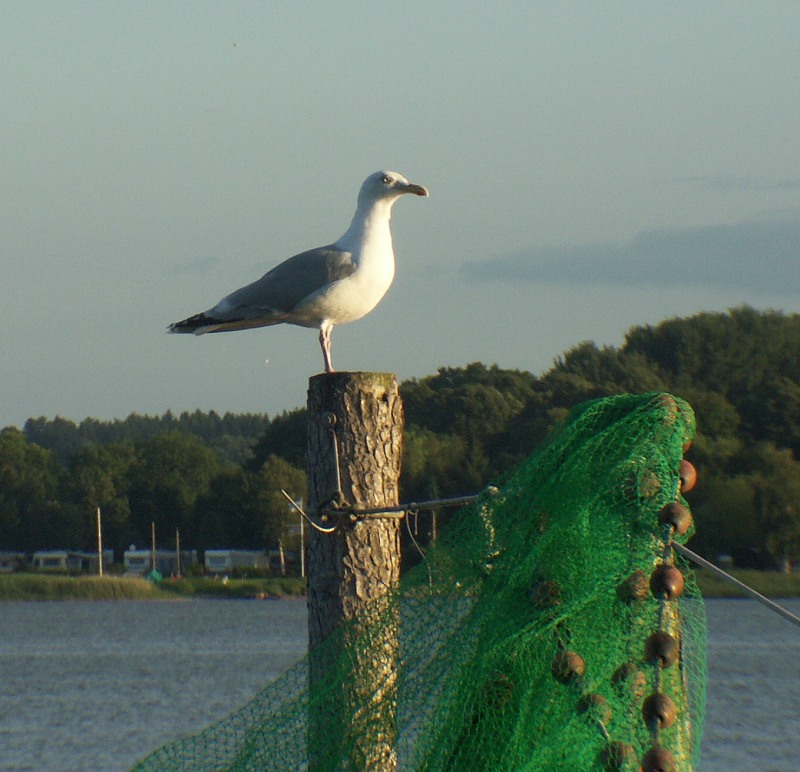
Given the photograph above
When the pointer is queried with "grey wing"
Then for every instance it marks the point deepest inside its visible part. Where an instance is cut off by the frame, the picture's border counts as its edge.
(278, 291)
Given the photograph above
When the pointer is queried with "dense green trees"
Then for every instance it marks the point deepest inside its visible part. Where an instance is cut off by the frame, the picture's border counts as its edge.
(171, 472)
(100, 476)
(246, 508)
(30, 479)
(172, 479)
(217, 478)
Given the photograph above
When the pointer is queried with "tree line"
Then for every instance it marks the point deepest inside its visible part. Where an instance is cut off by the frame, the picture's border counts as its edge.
(230, 436)
(217, 479)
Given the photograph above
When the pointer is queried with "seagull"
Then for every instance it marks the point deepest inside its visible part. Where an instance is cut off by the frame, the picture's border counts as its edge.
(323, 287)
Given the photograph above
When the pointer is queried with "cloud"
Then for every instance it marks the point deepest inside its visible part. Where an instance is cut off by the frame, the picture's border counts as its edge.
(755, 256)
(733, 183)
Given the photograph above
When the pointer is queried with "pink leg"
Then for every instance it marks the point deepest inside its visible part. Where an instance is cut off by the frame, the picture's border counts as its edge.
(325, 343)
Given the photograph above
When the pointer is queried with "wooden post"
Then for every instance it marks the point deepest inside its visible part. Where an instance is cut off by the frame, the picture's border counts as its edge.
(357, 420)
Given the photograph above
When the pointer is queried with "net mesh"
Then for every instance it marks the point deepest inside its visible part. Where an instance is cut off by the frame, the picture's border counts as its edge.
(524, 640)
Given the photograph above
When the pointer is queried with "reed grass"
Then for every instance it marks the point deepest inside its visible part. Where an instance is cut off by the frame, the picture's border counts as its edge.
(26, 586)
(31, 586)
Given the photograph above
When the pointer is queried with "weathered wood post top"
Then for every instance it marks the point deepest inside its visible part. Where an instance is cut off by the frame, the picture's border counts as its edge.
(355, 447)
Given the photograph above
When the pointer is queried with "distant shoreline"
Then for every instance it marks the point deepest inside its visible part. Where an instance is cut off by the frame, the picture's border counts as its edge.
(48, 587)
(32, 587)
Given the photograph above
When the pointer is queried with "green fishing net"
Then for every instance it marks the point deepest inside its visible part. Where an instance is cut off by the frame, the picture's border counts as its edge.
(545, 630)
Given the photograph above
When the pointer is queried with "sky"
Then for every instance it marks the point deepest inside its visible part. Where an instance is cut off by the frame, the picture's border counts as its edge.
(591, 167)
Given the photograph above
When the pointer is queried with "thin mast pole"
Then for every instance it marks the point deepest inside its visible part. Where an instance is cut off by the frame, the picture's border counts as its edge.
(99, 545)
(302, 548)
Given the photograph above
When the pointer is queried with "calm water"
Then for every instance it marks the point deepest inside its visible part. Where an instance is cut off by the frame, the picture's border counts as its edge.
(95, 686)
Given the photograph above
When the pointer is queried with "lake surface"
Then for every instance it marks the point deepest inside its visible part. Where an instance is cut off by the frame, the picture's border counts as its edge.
(95, 685)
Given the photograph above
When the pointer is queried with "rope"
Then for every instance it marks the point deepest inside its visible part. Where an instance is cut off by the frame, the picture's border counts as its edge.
(419, 549)
(763, 599)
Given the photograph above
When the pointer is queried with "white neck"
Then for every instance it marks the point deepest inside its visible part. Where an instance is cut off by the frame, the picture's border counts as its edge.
(370, 223)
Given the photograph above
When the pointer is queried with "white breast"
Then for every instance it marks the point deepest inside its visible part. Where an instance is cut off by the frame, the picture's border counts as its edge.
(369, 241)
(356, 295)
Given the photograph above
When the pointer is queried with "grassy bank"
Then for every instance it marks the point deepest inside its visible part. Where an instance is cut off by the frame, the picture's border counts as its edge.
(273, 587)
(25, 586)
(773, 584)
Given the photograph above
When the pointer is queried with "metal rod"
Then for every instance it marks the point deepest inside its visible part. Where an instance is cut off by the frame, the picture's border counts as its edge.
(456, 501)
(331, 420)
(770, 604)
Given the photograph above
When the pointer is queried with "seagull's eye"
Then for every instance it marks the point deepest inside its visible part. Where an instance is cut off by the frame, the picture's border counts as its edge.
(387, 180)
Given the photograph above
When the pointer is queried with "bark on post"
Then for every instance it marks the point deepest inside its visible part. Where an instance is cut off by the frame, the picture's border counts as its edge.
(353, 677)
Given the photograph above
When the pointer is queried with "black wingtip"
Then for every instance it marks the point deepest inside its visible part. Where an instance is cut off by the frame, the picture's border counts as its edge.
(189, 325)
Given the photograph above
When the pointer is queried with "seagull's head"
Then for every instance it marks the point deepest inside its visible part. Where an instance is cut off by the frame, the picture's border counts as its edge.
(387, 186)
